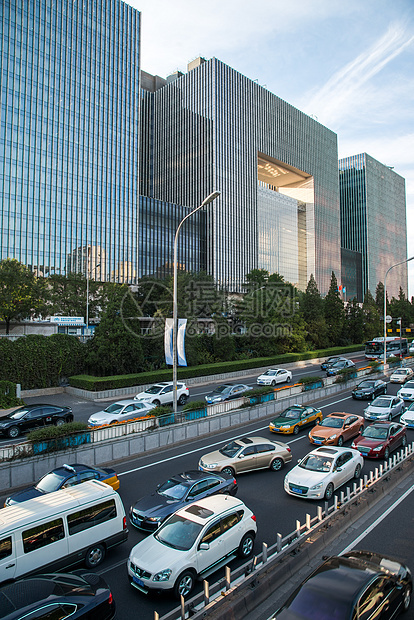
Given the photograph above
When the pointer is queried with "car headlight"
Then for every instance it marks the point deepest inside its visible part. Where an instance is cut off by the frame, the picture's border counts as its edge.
(333, 436)
(271, 425)
(317, 486)
(210, 465)
(286, 426)
(154, 519)
(377, 449)
(164, 575)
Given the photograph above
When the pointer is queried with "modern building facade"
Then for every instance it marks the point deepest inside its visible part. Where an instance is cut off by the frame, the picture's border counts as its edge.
(69, 141)
(373, 226)
(276, 168)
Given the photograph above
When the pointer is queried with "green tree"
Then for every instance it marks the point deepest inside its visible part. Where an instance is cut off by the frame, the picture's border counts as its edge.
(372, 318)
(21, 292)
(354, 321)
(116, 347)
(311, 302)
(400, 307)
(379, 298)
(334, 312)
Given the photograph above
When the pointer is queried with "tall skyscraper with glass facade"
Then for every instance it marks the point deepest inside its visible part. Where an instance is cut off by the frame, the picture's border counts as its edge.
(373, 226)
(276, 168)
(69, 141)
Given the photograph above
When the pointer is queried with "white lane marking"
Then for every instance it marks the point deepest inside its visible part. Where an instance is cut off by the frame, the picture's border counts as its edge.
(217, 443)
(357, 540)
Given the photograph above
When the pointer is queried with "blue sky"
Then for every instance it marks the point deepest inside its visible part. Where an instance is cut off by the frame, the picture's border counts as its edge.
(349, 64)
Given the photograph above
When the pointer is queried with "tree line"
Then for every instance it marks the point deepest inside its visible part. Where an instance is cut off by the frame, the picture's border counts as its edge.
(272, 316)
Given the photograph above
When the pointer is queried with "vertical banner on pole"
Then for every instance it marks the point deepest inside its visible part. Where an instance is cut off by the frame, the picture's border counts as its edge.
(168, 342)
(182, 325)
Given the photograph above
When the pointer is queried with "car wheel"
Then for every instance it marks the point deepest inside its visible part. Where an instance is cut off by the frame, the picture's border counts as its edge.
(276, 464)
(156, 402)
(184, 584)
(329, 491)
(60, 422)
(183, 399)
(13, 432)
(228, 470)
(406, 598)
(340, 441)
(94, 556)
(295, 430)
(357, 471)
(289, 379)
(404, 441)
(389, 417)
(246, 545)
(386, 454)
(273, 383)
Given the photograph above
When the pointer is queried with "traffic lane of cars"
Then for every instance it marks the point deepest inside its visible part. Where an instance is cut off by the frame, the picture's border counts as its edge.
(261, 491)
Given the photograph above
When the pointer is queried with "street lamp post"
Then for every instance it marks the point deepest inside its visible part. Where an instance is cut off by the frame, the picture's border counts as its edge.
(385, 305)
(205, 202)
(87, 292)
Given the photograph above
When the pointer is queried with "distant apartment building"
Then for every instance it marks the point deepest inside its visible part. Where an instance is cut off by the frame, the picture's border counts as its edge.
(373, 226)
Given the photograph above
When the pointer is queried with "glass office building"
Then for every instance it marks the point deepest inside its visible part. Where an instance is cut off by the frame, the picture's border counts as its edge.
(69, 136)
(276, 168)
(373, 226)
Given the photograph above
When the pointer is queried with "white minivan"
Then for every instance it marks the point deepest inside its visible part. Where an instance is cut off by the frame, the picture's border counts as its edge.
(60, 529)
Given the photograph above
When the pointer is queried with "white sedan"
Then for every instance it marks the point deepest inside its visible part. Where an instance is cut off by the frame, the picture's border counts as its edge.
(322, 471)
(407, 392)
(274, 376)
(401, 375)
(384, 408)
(162, 394)
(120, 411)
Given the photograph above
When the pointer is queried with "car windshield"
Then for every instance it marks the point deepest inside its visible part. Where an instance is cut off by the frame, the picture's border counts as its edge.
(315, 462)
(401, 371)
(19, 413)
(114, 408)
(312, 604)
(50, 482)
(366, 384)
(231, 449)
(409, 385)
(338, 365)
(332, 422)
(222, 388)
(270, 372)
(154, 389)
(291, 413)
(381, 402)
(374, 432)
(178, 533)
(172, 489)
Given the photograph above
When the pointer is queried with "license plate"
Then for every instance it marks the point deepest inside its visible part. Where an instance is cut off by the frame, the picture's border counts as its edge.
(200, 468)
(139, 582)
(295, 490)
(317, 442)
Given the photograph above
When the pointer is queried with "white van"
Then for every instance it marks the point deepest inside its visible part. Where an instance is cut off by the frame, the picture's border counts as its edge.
(61, 529)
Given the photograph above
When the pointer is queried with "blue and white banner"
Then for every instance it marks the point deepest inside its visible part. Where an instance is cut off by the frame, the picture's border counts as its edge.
(168, 342)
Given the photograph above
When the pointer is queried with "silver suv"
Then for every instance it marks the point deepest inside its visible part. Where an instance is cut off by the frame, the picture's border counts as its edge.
(162, 394)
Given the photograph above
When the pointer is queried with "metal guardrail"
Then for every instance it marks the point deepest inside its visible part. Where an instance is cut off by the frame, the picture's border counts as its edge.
(284, 545)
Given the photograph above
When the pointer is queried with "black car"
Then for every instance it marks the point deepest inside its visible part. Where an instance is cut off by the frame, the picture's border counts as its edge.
(150, 511)
(356, 585)
(63, 477)
(335, 368)
(369, 389)
(226, 391)
(30, 417)
(331, 360)
(57, 596)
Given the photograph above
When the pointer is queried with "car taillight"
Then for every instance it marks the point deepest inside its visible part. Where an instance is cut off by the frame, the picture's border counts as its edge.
(110, 600)
(234, 481)
(124, 523)
(253, 517)
(288, 449)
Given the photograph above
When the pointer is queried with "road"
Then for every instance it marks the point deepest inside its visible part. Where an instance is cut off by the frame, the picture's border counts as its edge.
(263, 492)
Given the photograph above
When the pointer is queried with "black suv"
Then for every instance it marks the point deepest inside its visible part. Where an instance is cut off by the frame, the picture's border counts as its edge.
(30, 417)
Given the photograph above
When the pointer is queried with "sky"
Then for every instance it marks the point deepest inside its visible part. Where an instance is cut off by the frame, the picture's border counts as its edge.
(349, 64)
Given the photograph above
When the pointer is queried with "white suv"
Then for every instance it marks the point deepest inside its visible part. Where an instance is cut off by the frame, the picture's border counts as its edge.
(162, 394)
(194, 542)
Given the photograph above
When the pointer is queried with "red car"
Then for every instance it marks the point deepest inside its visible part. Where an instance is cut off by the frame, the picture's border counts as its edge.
(378, 440)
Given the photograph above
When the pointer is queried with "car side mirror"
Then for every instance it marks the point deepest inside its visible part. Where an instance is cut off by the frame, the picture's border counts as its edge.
(241, 456)
(338, 469)
(204, 546)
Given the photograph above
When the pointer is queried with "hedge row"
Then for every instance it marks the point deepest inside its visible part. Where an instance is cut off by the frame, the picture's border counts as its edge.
(95, 384)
